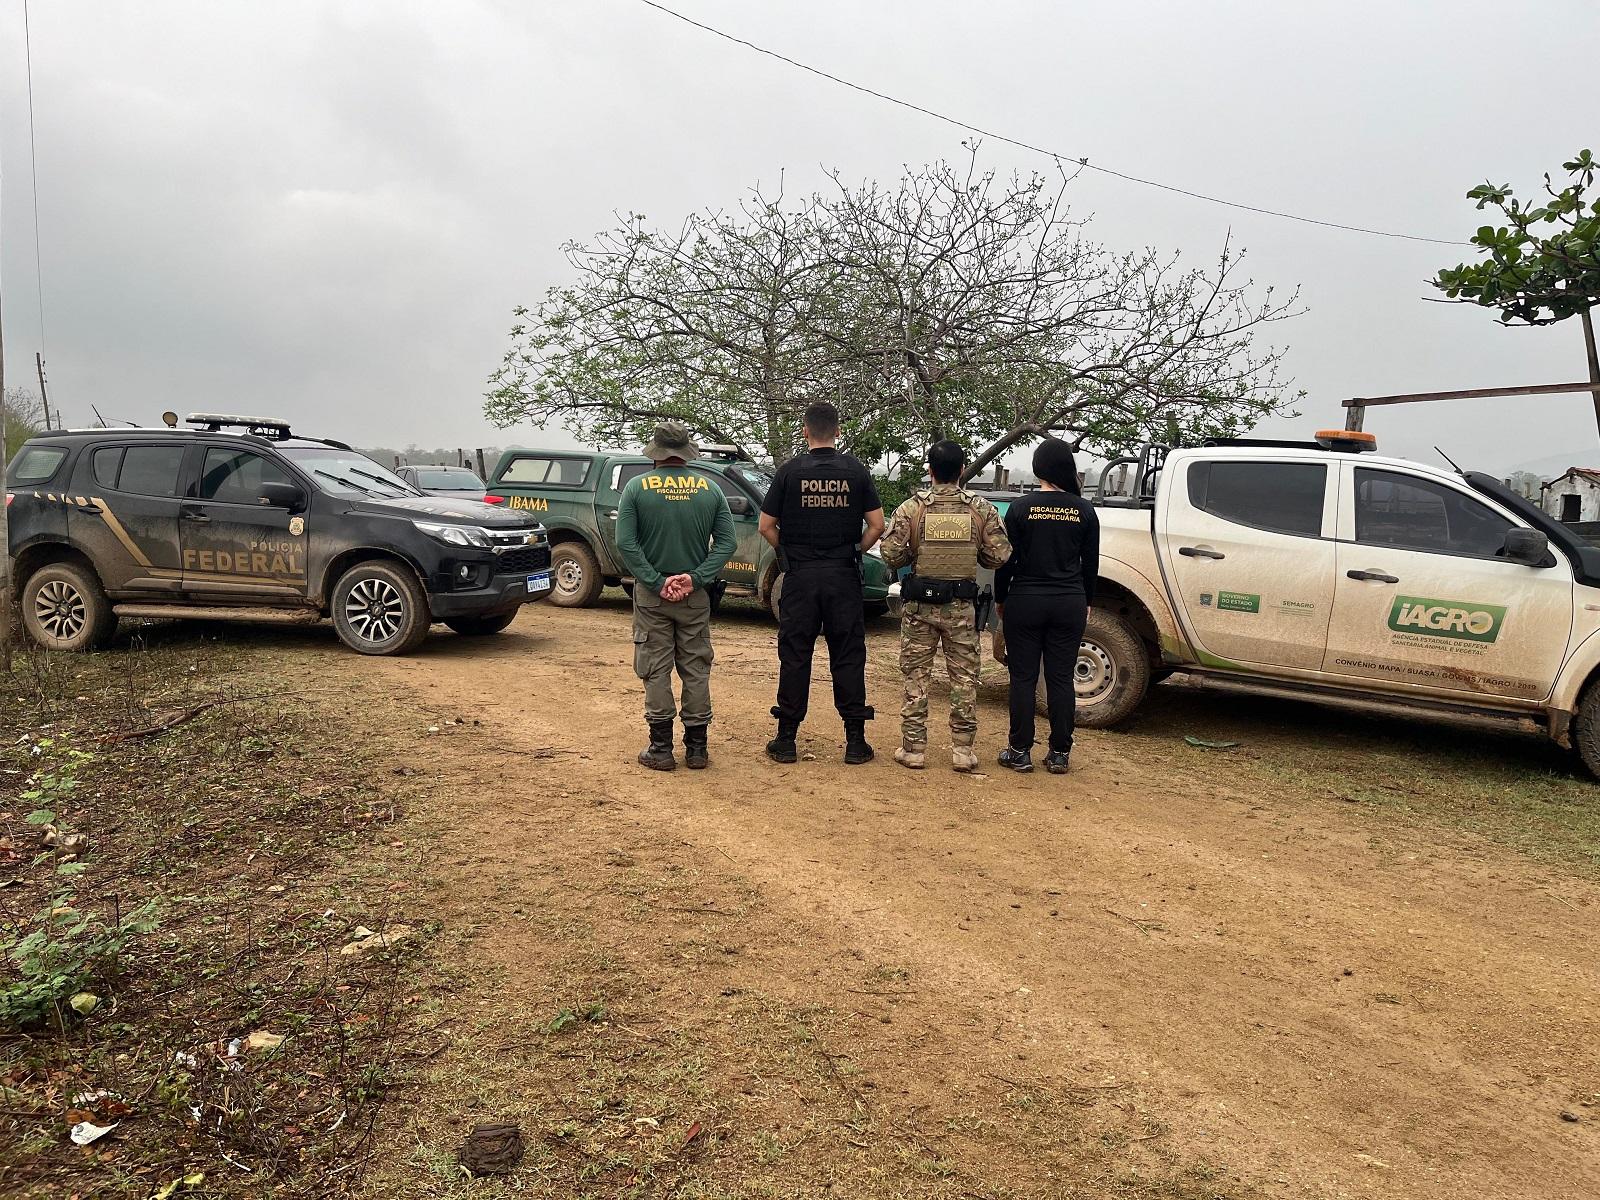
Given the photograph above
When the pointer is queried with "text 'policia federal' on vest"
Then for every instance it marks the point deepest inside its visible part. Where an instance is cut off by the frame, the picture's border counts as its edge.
(825, 493)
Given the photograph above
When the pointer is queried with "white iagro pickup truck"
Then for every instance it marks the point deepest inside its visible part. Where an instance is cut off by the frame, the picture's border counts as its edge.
(1314, 571)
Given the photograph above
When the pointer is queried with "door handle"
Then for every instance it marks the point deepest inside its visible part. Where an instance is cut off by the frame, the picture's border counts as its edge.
(1200, 552)
(199, 518)
(92, 509)
(611, 516)
(1373, 576)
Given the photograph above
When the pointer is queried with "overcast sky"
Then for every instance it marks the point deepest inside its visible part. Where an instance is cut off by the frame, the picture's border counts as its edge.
(326, 209)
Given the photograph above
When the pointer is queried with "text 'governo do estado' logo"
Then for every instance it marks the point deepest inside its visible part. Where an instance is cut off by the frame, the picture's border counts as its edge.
(1446, 618)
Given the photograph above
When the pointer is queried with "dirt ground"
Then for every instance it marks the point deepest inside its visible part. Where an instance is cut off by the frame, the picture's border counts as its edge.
(1173, 972)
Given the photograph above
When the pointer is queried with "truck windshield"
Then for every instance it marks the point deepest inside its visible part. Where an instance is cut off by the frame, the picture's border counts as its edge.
(346, 473)
(757, 479)
(448, 479)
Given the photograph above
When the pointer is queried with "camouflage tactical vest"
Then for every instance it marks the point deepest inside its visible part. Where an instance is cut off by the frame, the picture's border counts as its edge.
(945, 538)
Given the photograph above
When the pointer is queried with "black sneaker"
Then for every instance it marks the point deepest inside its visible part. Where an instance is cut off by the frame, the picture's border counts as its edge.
(1020, 761)
(1056, 762)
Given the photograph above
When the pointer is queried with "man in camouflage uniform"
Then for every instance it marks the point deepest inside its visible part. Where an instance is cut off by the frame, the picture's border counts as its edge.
(945, 533)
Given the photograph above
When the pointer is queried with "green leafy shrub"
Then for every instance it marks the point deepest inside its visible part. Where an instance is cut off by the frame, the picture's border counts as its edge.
(64, 951)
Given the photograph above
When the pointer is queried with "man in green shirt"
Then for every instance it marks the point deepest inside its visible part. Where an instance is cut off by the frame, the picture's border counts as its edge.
(674, 533)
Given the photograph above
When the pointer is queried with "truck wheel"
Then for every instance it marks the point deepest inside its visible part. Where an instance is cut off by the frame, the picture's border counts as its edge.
(481, 626)
(65, 608)
(773, 596)
(1586, 730)
(1112, 673)
(380, 608)
(577, 576)
(873, 609)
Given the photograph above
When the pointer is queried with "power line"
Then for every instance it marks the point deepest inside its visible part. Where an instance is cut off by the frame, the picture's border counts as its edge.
(1021, 145)
(33, 158)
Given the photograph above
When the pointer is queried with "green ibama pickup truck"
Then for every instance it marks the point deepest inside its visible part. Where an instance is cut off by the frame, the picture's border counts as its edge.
(575, 494)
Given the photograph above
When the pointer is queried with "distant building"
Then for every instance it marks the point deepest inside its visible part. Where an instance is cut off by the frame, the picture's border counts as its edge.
(1573, 498)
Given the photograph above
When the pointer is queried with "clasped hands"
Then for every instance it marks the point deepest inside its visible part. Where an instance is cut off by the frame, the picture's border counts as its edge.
(676, 588)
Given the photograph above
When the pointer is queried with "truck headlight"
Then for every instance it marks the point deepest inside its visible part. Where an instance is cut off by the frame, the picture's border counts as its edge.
(456, 535)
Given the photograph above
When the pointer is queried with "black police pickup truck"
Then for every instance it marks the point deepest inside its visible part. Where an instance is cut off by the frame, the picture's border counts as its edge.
(238, 519)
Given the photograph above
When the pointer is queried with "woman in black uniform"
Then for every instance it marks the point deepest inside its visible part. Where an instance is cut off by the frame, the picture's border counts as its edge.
(1044, 593)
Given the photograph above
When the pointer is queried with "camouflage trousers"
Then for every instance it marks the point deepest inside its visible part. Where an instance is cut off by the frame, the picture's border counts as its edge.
(924, 630)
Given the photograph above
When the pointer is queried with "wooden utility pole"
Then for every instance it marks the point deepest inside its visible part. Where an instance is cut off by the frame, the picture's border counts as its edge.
(44, 396)
(1594, 361)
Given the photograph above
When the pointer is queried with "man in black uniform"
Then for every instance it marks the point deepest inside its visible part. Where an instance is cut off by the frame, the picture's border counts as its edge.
(813, 516)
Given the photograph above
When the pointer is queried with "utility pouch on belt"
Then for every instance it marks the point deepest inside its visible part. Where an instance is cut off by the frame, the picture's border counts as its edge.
(922, 590)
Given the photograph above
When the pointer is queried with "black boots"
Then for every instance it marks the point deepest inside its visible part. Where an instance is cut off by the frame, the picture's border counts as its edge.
(658, 754)
(856, 750)
(696, 756)
(781, 749)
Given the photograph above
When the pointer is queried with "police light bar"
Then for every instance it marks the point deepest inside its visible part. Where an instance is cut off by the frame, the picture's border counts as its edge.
(1347, 441)
(216, 422)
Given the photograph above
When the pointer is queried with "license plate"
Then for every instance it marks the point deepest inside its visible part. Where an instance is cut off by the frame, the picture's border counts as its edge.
(539, 583)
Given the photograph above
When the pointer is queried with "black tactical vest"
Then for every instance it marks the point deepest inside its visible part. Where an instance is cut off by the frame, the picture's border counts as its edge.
(824, 507)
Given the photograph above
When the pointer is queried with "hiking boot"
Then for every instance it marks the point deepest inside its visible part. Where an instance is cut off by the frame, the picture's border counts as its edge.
(781, 749)
(658, 754)
(696, 755)
(856, 750)
(963, 759)
(911, 757)
(1056, 762)
(1020, 761)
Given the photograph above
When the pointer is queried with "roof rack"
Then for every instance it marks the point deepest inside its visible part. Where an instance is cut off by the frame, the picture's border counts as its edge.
(1267, 443)
(267, 427)
(724, 453)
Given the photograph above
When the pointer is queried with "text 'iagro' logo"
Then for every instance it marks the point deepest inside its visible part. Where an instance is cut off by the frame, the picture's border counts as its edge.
(1446, 618)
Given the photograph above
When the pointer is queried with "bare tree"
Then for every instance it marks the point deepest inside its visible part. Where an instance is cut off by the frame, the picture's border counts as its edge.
(951, 304)
(995, 320)
(717, 324)
(24, 417)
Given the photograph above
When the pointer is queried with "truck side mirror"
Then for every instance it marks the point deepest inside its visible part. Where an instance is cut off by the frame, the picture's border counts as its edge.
(283, 495)
(1530, 547)
(739, 506)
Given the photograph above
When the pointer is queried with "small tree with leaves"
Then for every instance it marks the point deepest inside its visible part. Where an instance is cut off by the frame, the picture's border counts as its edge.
(1542, 265)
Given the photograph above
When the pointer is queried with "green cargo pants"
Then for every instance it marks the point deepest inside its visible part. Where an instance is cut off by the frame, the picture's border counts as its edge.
(668, 637)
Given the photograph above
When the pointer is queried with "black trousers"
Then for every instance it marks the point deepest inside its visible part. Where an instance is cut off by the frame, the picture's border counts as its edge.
(822, 598)
(1043, 628)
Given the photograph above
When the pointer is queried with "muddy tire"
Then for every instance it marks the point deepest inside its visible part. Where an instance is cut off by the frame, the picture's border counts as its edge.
(772, 594)
(1586, 730)
(481, 626)
(65, 608)
(1112, 674)
(379, 607)
(576, 574)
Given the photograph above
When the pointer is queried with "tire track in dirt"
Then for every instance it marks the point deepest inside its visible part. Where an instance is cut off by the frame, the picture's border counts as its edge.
(1128, 922)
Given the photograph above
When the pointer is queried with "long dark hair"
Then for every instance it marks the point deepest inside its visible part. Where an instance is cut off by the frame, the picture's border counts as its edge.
(1054, 462)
